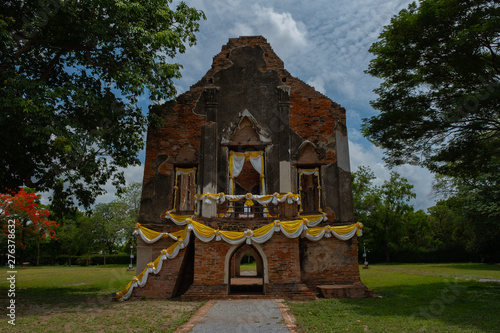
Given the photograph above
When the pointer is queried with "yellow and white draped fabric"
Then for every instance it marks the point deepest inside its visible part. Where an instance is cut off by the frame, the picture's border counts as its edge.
(291, 229)
(264, 200)
(236, 162)
(154, 267)
(176, 218)
(314, 172)
(261, 199)
(150, 236)
(314, 220)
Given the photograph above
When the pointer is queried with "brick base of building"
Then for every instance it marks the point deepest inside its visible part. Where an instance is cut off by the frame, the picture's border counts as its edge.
(288, 291)
(287, 268)
(356, 290)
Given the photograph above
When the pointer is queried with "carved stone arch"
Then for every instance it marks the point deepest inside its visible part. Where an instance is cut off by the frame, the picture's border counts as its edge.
(260, 253)
(238, 256)
(308, 154)
(246, 131)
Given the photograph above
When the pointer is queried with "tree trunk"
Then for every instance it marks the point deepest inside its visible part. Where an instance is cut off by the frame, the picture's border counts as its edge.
(38, 253)
(387, 255)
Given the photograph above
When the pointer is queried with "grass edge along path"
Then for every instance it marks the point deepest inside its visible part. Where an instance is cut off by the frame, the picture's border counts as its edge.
(413, 298)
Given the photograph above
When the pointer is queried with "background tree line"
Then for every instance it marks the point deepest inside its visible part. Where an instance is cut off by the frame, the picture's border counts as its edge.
(463, 226)
(68, 235)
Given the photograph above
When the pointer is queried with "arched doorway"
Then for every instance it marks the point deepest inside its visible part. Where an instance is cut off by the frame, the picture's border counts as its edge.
(246, 270)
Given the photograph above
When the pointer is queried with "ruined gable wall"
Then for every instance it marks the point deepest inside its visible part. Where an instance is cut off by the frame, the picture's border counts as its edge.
(313, 117)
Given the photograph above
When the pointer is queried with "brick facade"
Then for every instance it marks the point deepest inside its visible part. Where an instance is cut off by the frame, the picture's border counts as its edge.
(248, 101)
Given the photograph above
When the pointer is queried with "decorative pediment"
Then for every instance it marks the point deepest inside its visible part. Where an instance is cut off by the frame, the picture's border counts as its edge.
(246, 132)
(308, 154)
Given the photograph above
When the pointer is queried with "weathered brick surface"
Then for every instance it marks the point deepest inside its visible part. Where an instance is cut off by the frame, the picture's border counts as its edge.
(329, 261)
(313, 117)
(302, 128)
(161, 285)
(209, 262)
(283, 259)
(355, 290)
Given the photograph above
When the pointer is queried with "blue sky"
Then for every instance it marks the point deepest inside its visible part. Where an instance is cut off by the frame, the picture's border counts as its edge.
(324, 43)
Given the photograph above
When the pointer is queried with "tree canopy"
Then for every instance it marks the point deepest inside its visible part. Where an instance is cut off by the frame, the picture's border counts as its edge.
(71, 74)
(382, 209)
(439, 99)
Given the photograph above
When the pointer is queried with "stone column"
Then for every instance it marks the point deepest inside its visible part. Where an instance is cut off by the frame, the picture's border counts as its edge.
(209, 151)
(346, 213)
(284, 139)
(211, 101)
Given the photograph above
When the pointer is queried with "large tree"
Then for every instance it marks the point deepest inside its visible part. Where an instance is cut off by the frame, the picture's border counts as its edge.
(439, 99)
(71, 73)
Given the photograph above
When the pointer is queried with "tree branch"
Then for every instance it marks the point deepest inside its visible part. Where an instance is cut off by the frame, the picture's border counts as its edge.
(51, 65)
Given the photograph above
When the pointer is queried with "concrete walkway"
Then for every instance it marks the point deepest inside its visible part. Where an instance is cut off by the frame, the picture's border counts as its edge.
(243, 315)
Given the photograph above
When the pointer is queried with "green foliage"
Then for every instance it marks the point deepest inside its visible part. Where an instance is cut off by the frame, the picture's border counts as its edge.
(110, 226)
(107, 229)
(76, 235)
(479, 201)
(463, 226)
(448, 223)
(439, 100)
(382, 209)
(71, 73)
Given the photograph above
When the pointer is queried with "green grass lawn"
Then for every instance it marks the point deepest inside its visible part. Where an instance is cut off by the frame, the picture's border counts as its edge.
(80, 299)
(412, 298)
(248, 267)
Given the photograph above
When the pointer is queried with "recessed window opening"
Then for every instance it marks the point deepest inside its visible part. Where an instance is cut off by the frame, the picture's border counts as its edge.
(185, 189)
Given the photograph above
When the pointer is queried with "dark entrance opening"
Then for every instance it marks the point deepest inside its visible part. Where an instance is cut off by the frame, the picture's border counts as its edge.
(246, 276)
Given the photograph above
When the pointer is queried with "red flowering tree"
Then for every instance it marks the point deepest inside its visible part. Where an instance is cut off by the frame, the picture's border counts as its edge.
(23, 213)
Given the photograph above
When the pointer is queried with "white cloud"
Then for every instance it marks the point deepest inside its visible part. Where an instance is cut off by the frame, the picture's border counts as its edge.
(242, 29)
(133, 174)
(286, 35)
(318, 84)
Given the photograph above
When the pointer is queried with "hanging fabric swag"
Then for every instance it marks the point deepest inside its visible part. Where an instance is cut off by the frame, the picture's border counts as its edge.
(291, 229)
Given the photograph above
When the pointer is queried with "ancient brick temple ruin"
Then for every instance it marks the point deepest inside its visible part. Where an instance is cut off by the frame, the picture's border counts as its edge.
(250, 162)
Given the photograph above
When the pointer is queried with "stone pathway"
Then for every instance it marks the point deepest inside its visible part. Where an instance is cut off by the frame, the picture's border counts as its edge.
(243, 315)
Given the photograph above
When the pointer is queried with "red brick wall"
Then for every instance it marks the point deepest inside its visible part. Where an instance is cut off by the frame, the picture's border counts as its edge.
(282, 259)
(209, 262)
(329, 261)
(161, 285)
